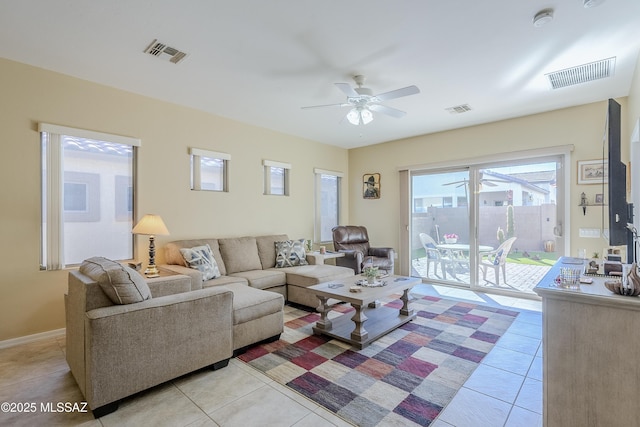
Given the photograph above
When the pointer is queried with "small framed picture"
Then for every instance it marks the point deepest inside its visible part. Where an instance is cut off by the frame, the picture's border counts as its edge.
(599, 199)
(371, 186)
(593, 171)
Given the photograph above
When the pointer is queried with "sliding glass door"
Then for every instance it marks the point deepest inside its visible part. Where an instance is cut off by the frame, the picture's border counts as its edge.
(492, 225)
(440, 219)
(518, 219)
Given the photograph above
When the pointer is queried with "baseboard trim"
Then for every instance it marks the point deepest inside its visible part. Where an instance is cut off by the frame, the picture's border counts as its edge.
(31, 338)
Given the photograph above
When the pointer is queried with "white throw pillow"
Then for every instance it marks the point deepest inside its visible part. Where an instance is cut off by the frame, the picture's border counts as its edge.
(201, 258)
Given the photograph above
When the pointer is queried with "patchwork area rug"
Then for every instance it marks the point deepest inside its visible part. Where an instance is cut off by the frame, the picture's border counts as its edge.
(404, 378)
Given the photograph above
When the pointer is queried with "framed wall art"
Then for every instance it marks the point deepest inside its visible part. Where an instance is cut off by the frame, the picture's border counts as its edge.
(371, 186)
(593, 171)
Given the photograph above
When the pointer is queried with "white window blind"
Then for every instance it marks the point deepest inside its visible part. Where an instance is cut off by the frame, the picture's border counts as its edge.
(87, 195)
(327, 212)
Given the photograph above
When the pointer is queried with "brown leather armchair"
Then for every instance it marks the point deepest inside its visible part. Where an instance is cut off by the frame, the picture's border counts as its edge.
(353, 241)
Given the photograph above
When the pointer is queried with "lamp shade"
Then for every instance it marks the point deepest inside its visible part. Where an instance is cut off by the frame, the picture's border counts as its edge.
(151, 225)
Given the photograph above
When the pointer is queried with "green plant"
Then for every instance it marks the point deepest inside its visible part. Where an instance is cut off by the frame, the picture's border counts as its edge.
(510, 223)
(370, 272)
(500, 235)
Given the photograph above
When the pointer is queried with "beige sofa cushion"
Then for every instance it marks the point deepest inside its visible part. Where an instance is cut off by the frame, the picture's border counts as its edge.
(225, 280)
(240, 254)
(250, 304)
(263, 279)
(121, 284)
(267, 249)
(309, 275)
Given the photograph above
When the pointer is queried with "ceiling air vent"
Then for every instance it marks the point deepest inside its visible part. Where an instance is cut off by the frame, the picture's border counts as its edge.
(459, 109)
(157, 48)
(582, 73)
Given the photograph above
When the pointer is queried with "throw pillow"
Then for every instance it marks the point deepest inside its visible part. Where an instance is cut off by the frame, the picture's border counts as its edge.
(290, 253)
(496, 260)
(201, 258)
(123, 285)
(432, 254)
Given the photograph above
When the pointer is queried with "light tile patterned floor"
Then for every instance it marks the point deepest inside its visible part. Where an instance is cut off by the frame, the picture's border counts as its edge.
(505, 390)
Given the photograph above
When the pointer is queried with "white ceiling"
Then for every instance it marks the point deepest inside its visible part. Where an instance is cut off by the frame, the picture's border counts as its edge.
(259, 61)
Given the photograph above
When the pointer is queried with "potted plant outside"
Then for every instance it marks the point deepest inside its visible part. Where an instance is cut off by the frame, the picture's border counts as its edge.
(451, 238)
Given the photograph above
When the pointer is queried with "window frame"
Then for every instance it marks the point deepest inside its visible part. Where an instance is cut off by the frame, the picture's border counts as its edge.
(269, 166)
(195, 157)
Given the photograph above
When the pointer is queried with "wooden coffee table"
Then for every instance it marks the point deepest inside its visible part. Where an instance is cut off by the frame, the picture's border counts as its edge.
(379, 320)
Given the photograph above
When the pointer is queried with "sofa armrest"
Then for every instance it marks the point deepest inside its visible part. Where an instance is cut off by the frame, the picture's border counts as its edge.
(351, 259)
(314, 259)
(169, 285)
(129, 348)
(382, 252)
(195, 275)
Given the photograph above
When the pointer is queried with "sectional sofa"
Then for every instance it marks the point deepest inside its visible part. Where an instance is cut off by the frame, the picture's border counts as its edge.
(126, 333)
(255, 261)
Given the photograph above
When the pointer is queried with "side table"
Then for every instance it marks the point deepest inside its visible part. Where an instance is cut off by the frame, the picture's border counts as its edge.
(317, 258)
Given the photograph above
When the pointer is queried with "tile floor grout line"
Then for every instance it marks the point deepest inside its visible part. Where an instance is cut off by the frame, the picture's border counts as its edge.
(173, 382)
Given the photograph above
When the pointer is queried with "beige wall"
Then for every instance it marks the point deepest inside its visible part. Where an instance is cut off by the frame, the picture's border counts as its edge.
(31, 301)
(581, 126)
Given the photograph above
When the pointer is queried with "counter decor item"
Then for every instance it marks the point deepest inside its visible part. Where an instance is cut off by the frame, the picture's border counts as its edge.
(569, 278)
(370, 273)
(365, 283)
(629, 285)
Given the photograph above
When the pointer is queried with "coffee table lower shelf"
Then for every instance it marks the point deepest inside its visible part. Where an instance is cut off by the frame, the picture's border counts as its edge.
(376, 323)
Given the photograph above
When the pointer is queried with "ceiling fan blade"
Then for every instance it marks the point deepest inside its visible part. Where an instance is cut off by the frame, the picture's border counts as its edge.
(347, 89)
(326, 105)
(405, 91)
(464, 181)
(393, 112)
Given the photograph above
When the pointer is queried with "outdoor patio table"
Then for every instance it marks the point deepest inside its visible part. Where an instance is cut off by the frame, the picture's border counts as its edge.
(465, 247)
(456, 259)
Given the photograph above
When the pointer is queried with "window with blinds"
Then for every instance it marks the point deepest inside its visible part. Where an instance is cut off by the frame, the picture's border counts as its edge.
(88, 189)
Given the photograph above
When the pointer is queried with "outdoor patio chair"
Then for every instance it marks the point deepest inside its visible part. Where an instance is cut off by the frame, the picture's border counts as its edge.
(496, 259)
(434, 255)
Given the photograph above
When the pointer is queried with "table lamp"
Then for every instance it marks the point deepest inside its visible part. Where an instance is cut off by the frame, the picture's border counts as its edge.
(151, 225)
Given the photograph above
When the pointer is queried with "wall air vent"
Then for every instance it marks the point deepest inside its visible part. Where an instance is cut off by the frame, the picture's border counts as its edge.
(459, 109)
(157, 48)
(582, 73)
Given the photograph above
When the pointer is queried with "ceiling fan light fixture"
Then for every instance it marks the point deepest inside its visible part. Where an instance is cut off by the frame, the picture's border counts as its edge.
(366, 115)
(354, 117)
(359, 115)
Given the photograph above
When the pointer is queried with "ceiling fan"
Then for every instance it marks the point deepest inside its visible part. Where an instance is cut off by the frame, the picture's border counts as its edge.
(483, 181)
(363, 102)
